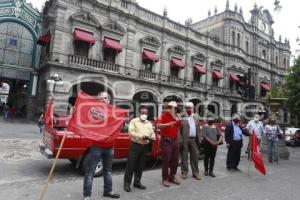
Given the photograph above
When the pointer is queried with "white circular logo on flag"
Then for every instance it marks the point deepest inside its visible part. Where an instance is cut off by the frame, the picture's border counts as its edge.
(96, 115)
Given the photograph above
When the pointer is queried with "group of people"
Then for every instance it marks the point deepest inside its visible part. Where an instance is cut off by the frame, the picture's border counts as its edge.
(181, 135)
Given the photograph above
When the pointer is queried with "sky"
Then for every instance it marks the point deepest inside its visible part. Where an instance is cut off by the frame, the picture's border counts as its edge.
(286, 22)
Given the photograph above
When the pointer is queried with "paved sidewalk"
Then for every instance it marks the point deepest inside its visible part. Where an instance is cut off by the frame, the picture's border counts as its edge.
(282, 182)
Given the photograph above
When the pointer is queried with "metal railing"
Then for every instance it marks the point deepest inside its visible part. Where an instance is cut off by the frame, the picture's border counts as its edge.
(144, 74)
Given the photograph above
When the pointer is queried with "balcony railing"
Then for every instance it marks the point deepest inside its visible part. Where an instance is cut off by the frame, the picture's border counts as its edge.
(97, 64)
(143, 74)
(175, 81)
(147, 75)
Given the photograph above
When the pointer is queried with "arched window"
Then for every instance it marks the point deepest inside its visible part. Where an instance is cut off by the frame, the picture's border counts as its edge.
(238, 40)
(16, 44)
(233, 39)
(264, 54)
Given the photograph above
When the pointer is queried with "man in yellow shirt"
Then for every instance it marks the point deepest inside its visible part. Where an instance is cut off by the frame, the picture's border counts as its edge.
(141, 133)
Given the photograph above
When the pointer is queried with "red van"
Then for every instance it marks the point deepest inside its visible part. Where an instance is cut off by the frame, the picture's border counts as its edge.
(76, 147)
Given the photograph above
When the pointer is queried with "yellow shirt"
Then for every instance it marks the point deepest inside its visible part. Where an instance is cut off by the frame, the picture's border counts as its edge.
(137, 129)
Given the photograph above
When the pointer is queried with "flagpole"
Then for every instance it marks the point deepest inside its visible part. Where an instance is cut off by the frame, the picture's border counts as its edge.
(249, 155)
(53, 166)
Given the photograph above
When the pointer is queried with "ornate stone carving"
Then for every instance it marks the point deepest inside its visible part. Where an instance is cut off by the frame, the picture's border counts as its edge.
(114, 27)
(199, 56)
(177, 49)
(85, 17)
(150, 40)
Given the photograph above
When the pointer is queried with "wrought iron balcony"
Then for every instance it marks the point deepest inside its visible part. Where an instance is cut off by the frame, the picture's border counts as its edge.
(175, 80)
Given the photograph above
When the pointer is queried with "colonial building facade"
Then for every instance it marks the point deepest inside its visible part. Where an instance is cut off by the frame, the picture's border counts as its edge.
(19, 55)
(219, 63)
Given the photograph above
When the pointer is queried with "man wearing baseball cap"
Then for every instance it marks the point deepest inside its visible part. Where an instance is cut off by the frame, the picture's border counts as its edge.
(169, 125)
(190, 140)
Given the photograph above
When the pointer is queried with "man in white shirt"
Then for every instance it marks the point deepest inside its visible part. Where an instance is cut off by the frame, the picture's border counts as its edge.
(190, 140)
(257, 126)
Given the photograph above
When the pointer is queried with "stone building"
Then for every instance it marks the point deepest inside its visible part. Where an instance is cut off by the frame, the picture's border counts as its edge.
(19, 55)
(220, 63)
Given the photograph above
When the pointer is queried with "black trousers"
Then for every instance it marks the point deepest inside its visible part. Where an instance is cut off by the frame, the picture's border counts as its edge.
(234, 154)
(209, 156)
(136, 162)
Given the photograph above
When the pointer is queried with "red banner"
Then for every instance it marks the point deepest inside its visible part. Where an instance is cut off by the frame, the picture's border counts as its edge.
(256, 155)
(49, 113)
(96, 120)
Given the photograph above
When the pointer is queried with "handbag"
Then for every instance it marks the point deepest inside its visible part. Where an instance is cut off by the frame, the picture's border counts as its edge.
(279, 135)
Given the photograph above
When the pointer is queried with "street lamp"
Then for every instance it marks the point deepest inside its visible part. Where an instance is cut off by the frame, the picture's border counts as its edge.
(55, 80)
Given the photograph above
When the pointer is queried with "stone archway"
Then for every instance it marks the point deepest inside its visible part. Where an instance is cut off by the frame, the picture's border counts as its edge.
(90, 88)
(199, 107)
(146, 98)
(214, 109)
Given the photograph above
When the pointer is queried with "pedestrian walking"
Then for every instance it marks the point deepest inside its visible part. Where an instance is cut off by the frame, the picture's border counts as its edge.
(41, 121)
(212, 138)
(141, 134)
(190, 142)
(169, 124)
(103, 152)
(234, 142)
(273, 134)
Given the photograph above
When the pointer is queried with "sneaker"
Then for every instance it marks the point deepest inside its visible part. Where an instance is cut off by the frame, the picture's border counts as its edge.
(111, 195)
(87, 198)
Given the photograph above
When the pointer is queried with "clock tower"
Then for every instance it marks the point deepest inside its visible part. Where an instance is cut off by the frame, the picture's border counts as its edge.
(262, 19)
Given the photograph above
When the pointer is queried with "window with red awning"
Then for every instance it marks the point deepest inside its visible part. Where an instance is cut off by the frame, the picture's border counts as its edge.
(265, 87)
(217, 74)
(44, 39)
(109, 43)
(199, 69)
(234, 78)
(84, 36)
(150, 55)
(177, 63)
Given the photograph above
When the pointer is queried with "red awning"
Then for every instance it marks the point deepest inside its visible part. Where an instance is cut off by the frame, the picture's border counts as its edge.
(176, 62)
(199, 69)
(109, 43)
(217, 74)
(150, 55)
(265, 87)
(44, 39)
(234, 77)
(84, 36)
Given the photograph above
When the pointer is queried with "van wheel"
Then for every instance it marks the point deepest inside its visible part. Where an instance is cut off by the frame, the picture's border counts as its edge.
(98, 170)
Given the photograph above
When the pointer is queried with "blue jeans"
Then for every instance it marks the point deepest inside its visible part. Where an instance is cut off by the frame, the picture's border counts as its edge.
(273, 150)
(94, 155)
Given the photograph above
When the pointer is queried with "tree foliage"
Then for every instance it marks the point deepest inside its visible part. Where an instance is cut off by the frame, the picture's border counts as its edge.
(292, 91)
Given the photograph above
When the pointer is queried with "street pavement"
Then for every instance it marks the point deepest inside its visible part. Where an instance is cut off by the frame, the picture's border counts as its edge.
(23, 172)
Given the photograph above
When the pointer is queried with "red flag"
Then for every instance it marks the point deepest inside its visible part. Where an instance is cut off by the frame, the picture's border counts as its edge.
(256, 155)
(96, 120)
(49, 113)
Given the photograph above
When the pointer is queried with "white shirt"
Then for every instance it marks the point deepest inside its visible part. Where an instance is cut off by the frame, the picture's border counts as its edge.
(192, 124)
(258, 127)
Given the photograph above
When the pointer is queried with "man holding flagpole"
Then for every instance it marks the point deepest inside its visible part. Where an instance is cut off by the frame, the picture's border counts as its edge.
(96, 153)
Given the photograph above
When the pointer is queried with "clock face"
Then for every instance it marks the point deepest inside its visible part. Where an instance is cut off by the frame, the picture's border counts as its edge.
(262, 26)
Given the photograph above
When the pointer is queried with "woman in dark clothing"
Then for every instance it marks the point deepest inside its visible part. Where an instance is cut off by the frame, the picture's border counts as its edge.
(212, 138)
